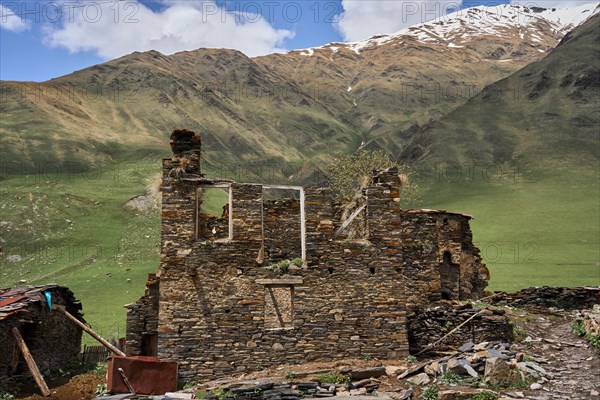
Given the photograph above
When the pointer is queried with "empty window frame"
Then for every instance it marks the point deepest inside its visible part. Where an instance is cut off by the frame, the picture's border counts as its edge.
(277, 217)
(214, 220)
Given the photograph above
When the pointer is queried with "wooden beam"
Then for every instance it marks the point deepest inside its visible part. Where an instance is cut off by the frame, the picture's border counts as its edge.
(280, 282)
(349, 220)
(89, 330)
(283, 187)
(35, 371)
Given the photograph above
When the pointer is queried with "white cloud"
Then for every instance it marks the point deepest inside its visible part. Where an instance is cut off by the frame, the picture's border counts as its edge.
(12, 22)
(124, 27)
(362, 19)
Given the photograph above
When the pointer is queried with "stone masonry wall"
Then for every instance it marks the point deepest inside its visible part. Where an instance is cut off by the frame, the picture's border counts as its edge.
(347, 300)
(222, 310)
(282, 229)
(142, 319)
(426, 238)
(427, 326)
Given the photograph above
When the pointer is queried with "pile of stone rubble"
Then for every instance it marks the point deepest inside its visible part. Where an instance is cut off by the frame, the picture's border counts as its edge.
(347, 381)
(487, 364)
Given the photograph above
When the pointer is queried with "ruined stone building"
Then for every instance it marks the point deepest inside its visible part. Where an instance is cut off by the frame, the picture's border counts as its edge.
(225, 299)
(52, 339)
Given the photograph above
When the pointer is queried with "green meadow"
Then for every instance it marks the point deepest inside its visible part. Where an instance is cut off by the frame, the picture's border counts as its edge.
(532, 229)
(72, 229)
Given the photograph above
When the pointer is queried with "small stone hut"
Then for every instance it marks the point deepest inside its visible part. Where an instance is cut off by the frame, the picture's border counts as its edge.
(52, 339)
(278, 280)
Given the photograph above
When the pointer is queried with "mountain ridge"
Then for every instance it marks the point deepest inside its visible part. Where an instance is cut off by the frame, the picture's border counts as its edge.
(282, 107)
(560, 19)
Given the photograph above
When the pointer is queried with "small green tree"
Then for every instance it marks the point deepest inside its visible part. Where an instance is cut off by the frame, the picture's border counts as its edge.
(350, 173)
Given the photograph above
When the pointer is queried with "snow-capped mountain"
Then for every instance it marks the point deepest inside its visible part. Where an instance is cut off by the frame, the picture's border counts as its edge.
(460, 27)
(341, 96)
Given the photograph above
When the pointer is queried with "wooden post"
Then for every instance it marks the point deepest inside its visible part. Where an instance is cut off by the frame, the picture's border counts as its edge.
(39, 378)
(89, 330)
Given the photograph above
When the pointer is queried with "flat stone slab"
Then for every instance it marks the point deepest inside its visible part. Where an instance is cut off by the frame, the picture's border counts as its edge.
(382, 396)
(360, 374)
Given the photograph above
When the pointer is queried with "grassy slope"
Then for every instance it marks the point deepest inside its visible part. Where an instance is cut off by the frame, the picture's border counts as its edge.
(531, 233)
(545, 221)
(95, 253)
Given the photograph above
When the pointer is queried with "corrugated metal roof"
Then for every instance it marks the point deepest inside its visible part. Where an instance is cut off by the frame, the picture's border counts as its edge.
(18, 300)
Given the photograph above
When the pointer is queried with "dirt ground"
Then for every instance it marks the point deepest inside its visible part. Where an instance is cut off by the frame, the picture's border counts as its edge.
(80, 387)
(546, 337)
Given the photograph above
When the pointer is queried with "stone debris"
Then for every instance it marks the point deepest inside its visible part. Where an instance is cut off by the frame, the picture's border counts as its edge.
(492, 363)
(428, 325)
(356, 382)
(421, 379)
(367, 373)
(591, 320)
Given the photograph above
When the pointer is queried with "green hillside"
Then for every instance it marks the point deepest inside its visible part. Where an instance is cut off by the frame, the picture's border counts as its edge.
(528, 147)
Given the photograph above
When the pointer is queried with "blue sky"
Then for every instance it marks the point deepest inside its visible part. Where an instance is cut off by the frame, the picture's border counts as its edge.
(40, 40)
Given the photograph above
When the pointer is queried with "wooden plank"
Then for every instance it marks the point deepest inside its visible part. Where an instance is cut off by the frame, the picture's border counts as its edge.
(349, 220)
(303, 224)
(283, 187)
(35, 371)
(89, 330)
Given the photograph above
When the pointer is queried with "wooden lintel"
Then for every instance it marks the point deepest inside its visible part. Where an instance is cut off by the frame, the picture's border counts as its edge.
(280, 282)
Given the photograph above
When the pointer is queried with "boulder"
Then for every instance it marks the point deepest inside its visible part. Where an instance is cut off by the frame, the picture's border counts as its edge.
(420, 379)
(498, 372)
(391, 370)
(535, 386)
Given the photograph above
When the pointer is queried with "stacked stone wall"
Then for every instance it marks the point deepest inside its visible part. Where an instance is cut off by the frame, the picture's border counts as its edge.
(223, 308)
(346, 300)
(142, 320)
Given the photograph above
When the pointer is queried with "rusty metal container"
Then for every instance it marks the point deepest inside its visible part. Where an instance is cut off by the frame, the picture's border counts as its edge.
(147, 375)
